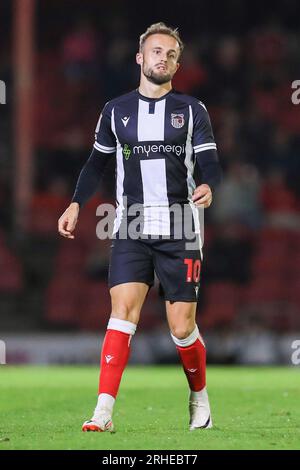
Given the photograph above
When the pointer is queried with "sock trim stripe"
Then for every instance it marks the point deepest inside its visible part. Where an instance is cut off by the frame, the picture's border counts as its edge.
(183, 343)
(121, 325)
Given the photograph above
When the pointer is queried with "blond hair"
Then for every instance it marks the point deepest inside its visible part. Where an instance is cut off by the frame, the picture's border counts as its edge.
(161, 28)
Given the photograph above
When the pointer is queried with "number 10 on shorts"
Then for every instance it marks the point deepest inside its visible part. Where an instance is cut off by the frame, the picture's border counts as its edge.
(193, 269)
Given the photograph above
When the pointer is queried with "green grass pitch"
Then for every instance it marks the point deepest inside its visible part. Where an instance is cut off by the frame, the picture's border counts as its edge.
(252, 408)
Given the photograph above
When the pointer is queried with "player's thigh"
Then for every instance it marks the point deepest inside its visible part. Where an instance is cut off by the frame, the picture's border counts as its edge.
(127, 300)
(181, 318)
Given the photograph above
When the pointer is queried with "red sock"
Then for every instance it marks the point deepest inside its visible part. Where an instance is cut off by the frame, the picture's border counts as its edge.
(114, 358)
(193, 359)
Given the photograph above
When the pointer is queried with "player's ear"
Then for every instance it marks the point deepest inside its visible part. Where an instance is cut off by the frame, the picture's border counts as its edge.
(177, 66)
(139, 58)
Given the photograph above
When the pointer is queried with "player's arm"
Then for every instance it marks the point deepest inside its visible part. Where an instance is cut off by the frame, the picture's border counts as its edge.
(87, 184)
(211, 175)
(90, 175)
(206, 157)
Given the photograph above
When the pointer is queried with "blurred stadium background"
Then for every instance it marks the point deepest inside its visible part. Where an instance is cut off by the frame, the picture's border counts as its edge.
(61, 61)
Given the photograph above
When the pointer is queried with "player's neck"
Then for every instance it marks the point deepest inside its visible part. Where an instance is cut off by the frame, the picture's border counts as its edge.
(150, 90)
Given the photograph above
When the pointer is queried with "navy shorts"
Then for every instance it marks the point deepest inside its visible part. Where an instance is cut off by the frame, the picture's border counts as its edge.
(177, 268)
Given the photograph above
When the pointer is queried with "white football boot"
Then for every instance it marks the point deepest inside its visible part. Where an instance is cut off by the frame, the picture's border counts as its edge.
(100, 422)
(200, 416)
(102, 417)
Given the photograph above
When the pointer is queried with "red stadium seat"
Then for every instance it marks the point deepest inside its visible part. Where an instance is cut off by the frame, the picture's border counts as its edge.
(45, 211)
(71, 255)
(222, 300)
(62, 296)
(94, 305)
(267, 290)
(269, 262)
(221, 315)
(218, 292)
(275, 235)
(11, 277)
(293, 291)
(293, 267)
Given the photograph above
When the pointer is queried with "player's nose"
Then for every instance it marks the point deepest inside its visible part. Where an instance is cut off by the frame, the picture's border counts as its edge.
(163, 62)
(163, 58)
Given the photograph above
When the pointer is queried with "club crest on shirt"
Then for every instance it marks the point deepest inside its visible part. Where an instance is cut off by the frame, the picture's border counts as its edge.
(177, 120)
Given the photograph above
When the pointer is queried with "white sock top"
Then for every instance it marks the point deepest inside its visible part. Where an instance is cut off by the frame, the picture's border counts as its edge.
(187, 341)
(121, 325)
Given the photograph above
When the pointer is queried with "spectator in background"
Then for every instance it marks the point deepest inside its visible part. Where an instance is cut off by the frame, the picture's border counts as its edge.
(228, 134)
(231, 244)
(238, 196)
(191, 75)
(227, 76)
(279, 202)
(118, 56)
(80, 53)
(119, 73)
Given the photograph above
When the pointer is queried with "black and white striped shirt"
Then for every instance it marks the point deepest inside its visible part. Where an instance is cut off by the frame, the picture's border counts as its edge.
(157, 142)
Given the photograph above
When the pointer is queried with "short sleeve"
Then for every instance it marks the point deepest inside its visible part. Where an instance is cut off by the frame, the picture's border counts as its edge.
(105, 140)
(203, 138)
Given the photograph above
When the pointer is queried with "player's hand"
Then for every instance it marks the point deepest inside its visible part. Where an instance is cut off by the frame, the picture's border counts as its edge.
(67, 222)
(202, 196)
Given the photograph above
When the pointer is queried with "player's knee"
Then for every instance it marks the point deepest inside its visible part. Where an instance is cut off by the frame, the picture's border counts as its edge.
(121, 314)
(125, 312)
(181, 332)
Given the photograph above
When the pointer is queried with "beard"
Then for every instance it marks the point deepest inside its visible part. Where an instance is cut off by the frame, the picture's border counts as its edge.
(156, 78)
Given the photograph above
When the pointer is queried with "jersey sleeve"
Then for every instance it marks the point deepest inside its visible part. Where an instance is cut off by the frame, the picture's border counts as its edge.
(105, 140)
(90, 176)
(203, 138)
